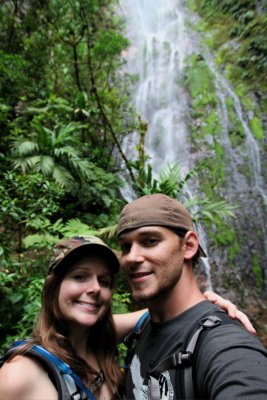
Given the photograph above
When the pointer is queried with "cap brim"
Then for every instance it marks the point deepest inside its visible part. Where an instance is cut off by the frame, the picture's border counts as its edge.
(90, 249)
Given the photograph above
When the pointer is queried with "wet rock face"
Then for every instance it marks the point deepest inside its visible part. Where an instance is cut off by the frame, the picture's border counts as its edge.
(258, 314)
(243, 295)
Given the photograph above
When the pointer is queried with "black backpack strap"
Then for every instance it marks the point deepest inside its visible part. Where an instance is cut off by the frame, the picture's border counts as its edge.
(205, 324)
(181, 359)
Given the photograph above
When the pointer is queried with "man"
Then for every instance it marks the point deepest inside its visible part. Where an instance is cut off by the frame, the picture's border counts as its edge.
(159, 251)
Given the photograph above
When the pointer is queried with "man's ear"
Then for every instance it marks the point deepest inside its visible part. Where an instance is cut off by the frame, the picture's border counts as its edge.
(190, 245)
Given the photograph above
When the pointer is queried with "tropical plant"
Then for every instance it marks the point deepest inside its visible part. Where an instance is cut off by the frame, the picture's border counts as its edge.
(172, 183)
(54, 153)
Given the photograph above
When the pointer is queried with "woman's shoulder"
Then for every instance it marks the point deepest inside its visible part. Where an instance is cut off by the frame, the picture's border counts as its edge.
(24, 378)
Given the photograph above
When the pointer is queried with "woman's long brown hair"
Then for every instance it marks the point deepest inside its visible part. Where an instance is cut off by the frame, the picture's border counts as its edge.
(51, 333)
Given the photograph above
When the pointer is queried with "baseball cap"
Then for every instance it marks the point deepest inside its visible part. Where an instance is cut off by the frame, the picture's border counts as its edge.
(70, 250)
(156, 210)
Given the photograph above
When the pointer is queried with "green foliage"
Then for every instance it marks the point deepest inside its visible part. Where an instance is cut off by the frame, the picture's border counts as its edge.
(244, 24)
(30, 297)
(13, 69)
(257, 272)
(236, 130)
(199, 81)
(209, 210)
(256, 128)
(206, 126)
(170, 180)
(23, 42)
(109, 44)
(64, 110)
(20, 303)
(174, 185)
(23, 198)
(53, 153)
(121, 302)
(199, 78)
(50, 233)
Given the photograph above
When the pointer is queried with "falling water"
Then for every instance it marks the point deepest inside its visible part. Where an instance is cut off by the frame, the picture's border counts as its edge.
(160, 43)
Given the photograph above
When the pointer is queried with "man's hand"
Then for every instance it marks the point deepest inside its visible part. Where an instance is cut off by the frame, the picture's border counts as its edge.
(231, 309)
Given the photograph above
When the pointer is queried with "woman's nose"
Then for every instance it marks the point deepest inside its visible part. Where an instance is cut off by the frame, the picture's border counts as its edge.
(93, 286)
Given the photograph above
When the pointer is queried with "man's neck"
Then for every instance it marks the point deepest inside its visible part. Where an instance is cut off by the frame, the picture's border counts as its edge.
(183, 296)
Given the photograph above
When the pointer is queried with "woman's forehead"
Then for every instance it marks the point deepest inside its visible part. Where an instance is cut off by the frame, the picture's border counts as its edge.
(91, 264)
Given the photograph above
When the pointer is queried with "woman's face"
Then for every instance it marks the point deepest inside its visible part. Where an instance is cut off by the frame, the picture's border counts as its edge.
(85, 292)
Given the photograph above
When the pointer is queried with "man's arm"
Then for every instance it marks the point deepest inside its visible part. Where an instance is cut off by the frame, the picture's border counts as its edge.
(125, 323)
(230, 364)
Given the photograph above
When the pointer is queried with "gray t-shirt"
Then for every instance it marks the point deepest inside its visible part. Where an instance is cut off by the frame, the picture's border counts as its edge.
(230, 362)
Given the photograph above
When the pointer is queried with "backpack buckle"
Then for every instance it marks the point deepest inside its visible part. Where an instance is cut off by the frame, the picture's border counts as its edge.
(185, 357)
(210, 321)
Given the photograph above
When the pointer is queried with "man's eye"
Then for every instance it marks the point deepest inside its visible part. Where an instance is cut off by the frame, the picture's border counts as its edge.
(125, 247)
(150, 241)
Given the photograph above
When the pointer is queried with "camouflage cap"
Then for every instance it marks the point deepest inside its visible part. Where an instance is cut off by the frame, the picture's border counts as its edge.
(70, 250)
(156, 210)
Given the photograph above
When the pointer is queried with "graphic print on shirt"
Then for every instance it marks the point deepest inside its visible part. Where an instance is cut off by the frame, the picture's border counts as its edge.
(141, 391)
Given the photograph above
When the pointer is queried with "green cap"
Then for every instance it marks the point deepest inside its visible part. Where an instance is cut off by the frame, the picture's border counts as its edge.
(70, 250)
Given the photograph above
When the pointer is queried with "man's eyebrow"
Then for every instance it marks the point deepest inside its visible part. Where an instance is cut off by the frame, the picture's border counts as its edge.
(145, 233)
(121, 238)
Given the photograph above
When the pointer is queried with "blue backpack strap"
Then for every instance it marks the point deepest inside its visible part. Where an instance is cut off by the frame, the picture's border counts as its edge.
(66, 372)
(140, 322)
(131, 339)
(53, 372)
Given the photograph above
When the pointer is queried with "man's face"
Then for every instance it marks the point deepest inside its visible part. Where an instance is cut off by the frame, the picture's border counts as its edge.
(152, 259)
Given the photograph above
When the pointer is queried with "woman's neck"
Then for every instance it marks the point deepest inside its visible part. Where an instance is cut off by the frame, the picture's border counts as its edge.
(79, 340)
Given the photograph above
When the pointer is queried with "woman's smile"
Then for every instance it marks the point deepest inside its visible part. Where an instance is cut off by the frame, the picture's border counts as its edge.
(90, 307)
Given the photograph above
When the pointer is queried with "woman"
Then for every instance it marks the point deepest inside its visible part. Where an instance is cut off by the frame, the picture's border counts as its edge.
(76, 325)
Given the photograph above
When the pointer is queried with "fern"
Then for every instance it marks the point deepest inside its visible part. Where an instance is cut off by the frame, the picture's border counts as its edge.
(74, 227)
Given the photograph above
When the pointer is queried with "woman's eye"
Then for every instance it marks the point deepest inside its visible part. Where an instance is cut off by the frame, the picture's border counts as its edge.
(79, 277)
(105, 282)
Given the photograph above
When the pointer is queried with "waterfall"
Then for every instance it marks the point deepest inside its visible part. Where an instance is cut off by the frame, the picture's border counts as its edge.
(161, 41)
(159, 44)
